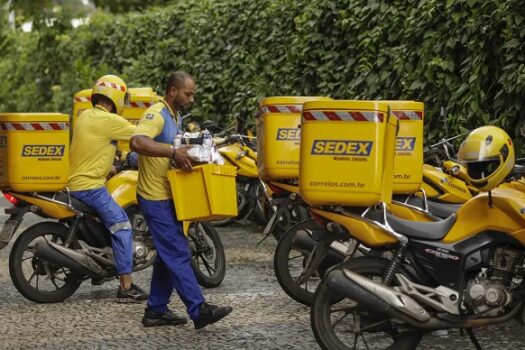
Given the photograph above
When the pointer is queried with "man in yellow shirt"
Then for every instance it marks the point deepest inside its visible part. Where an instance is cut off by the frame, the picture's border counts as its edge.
(91, 158)
(153, 140)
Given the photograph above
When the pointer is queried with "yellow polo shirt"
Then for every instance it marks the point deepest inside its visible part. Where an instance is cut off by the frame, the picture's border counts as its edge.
(162, 125)
(92, 151)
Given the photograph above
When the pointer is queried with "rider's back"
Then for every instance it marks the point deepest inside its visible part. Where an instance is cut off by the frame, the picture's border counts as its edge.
(92, 147)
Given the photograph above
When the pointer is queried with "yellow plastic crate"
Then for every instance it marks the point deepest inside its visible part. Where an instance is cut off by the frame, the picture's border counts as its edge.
(408, 162)
(347, 153)
(34, 151)
(206, 193)
(279, 135)
(140, 100)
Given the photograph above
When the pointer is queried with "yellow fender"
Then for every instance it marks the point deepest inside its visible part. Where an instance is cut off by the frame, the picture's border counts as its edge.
(123, 188)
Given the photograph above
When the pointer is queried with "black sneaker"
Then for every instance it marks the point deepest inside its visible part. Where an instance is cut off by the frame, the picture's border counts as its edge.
(168, 318)
(132, 295)
(210, 314)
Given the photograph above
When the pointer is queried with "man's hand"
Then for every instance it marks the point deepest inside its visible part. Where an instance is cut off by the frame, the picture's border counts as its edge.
(112, 172)
(182, 159)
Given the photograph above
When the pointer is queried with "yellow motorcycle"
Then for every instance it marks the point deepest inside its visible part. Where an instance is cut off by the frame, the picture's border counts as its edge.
(306, 250)
(49, 260)
(462, 272)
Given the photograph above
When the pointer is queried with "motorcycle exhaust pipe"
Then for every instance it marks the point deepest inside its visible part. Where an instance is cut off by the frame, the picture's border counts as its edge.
(303, 240)
(69, 258)
(376, 297)
(385, 301)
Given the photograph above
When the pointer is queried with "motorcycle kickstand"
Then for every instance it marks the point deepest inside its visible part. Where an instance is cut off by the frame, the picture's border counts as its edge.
(245, 220)
(318, 254)
(472, 337)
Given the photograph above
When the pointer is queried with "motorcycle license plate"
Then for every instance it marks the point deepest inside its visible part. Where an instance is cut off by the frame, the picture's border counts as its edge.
(8, 229)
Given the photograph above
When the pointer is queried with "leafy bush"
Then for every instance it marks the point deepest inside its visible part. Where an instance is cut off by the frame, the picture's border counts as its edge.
(465, 59)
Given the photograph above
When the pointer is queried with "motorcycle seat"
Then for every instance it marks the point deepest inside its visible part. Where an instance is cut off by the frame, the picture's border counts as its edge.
(441, 210)
(62, 197)
(433, 231)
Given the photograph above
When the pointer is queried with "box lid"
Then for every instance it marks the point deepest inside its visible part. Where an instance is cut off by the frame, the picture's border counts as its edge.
(33, 117)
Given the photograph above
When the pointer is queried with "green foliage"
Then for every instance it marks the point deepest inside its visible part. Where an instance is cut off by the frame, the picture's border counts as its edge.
(121, 6)
(463, 57)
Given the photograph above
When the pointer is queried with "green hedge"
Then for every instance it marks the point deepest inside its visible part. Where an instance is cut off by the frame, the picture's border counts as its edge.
(465, 59)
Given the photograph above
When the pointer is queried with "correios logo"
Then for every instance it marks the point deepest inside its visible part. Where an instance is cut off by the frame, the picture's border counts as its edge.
(405, 144)
(342, 148)
(43, 150)
(288, 134)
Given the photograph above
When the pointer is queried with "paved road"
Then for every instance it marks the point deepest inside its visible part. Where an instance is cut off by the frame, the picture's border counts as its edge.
(263, 318)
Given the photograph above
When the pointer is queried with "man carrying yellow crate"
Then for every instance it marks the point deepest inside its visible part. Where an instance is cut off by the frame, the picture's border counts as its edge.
(91, 158)
(153, 141)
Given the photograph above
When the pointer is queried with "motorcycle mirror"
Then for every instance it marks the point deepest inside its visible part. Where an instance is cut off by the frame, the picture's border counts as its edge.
(455, 170)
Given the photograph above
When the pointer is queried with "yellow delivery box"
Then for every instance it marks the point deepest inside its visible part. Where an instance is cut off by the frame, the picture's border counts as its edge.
(34, 151)
(208, 192)
(140, 100)
(347, 153)
(408, 162)
(279, 136)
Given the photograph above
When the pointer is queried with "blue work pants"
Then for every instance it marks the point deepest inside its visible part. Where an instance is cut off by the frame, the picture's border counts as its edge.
(116, 221)
(172, 268)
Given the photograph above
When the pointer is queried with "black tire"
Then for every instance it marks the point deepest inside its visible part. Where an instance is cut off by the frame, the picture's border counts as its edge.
(221, 223)
(285, 255)
(260, 210)
(63, 283)
(325, 299)
(208, 257)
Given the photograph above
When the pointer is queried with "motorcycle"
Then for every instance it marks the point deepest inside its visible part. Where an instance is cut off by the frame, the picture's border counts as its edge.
(306, 250)
(462, 272)
(49, 260)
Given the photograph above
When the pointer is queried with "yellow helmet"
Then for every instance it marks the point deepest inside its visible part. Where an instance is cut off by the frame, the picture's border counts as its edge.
(113, 88)
(488, 155)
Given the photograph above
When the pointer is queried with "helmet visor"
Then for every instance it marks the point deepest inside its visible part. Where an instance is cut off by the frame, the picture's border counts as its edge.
(480, 157)
(477, 151)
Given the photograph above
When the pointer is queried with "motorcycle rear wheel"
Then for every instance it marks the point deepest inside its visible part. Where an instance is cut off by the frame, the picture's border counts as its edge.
(208, 257)
(288, 264)
(333, 316)
(36, 279)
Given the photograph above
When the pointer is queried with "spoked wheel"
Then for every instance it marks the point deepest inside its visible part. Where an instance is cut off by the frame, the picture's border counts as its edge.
(209, 260)
(289, 262)
(342, 324)
(36, 279)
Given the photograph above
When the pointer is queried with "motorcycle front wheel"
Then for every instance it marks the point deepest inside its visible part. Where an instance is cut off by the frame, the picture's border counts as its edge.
(342, 324)
(208, 257)
(36, 279)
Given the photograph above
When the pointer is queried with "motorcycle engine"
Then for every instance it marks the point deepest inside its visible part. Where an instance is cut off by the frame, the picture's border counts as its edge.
(489, 291)
(141, 239)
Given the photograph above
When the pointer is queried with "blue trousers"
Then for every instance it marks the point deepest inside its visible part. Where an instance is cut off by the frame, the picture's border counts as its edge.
(172, 268)
(116, 221)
